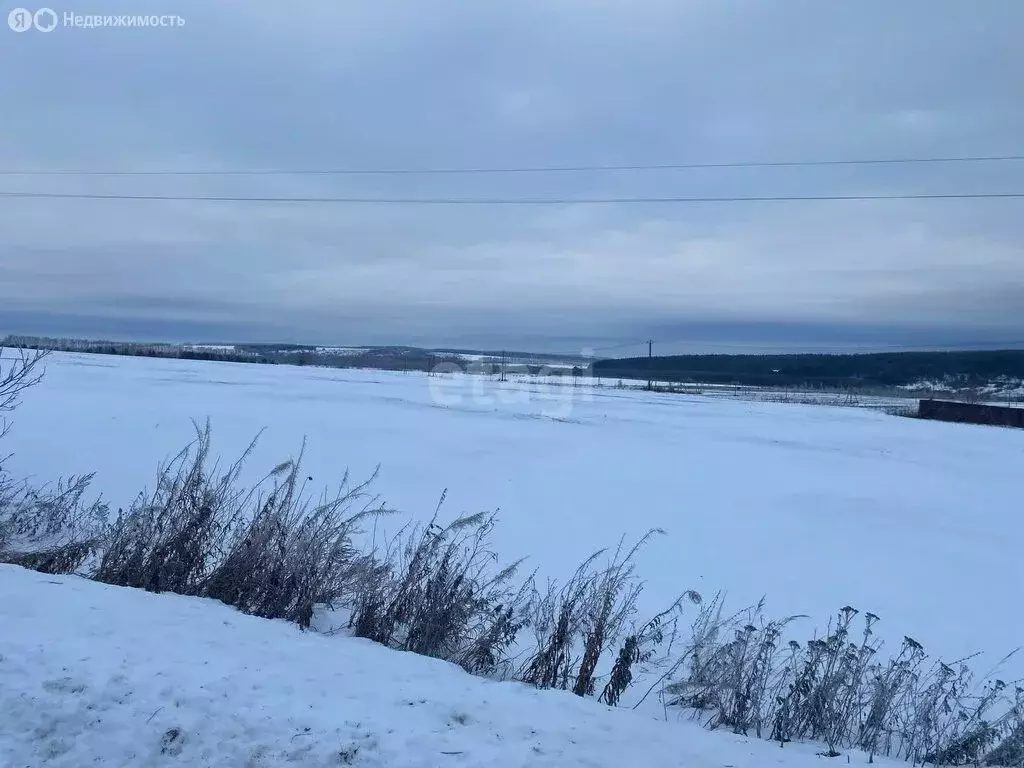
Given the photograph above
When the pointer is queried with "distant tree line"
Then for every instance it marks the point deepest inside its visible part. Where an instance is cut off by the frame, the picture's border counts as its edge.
(961, 369)
(236, 354)
(857, 370)
(393, 358)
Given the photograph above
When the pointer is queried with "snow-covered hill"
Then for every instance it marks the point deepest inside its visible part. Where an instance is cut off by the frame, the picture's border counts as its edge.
(99, 675)
(817, 507)
(814, 507)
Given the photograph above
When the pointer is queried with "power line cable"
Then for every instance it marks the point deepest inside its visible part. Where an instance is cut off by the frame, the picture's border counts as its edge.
(505, 201)
(517, 170)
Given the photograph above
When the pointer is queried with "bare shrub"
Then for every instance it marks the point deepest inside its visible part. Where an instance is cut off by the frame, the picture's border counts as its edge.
(50, 530)
(821, 692)
(556, 622)
(640, 646)
(496, 629)
(889, 693)
(17, 373)
(577, 623)
(981, 731)
(292, 554)
(170, 540)
(731, 679)
(437, 592)
(834, 690)
(273, 553)
(1010, 752)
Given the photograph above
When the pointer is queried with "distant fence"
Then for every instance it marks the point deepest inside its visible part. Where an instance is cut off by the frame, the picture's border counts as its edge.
(970, 413)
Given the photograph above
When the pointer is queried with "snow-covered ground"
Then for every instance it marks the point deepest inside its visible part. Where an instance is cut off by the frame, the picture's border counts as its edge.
(1002, 390)
(98, 675)
(732, 391)
(210, 347)
(814, 507)
(351, 351)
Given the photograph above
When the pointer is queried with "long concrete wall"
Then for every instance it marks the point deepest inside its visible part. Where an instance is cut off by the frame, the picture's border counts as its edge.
(970, 413)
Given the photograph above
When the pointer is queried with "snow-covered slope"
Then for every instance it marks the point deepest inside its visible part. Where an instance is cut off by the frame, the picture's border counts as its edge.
(98, 675)
(814, 507)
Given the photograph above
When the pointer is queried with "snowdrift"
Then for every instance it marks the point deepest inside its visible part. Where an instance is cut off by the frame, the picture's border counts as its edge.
(99, 675)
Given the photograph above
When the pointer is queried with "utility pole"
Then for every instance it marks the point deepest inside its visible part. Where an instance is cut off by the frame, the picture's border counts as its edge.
(502, 375)
(650, 384)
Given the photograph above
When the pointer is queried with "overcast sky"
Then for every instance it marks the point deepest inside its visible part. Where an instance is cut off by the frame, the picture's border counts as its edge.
(249, 84)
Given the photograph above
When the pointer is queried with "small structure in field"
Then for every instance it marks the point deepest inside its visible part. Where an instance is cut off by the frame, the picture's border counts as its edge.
(971, 413)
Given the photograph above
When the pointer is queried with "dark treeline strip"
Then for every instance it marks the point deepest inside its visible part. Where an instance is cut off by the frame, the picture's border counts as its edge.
(855, 370)
(391, 358)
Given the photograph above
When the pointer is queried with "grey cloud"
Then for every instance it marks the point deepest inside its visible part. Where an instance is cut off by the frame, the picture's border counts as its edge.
(454, 83)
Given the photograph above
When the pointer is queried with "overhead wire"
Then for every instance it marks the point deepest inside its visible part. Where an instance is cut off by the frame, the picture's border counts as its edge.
(496, 201)
(514, 169)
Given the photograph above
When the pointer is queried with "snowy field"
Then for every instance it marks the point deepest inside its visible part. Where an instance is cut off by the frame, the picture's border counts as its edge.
(815, 507)
(98, 675)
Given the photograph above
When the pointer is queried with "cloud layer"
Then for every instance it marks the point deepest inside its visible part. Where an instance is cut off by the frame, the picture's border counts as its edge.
(360, 84)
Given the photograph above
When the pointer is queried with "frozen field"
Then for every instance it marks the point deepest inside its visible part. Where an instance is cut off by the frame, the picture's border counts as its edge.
(814, 507)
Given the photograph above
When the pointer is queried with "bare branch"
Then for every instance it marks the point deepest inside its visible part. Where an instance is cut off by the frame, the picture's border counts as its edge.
(18, 372)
